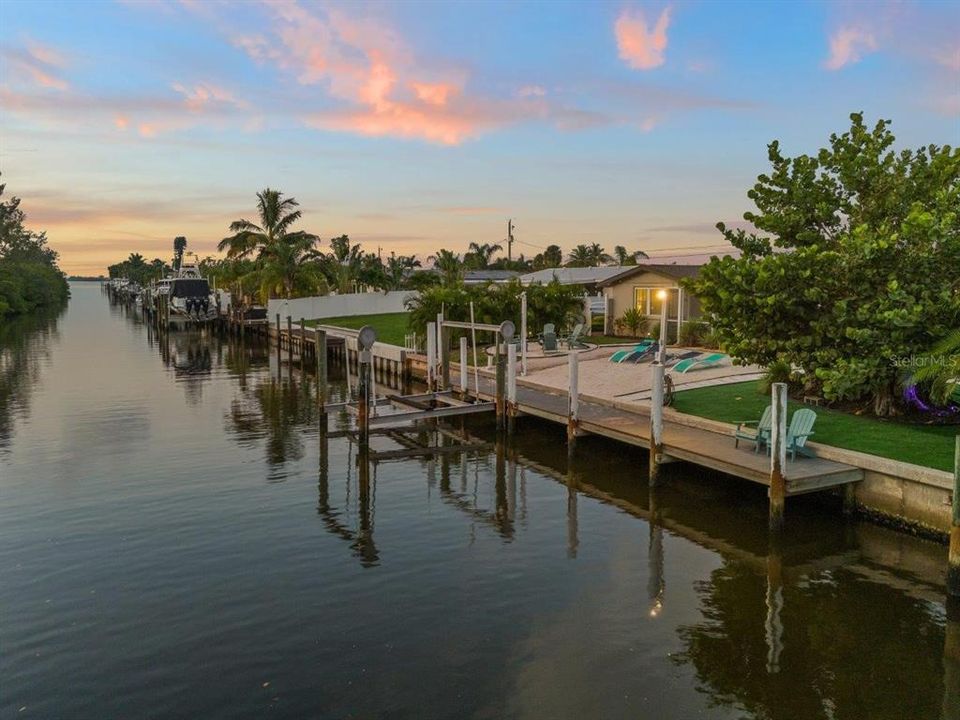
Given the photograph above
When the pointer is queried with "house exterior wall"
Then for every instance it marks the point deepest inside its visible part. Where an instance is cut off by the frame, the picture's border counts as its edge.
(623, 293)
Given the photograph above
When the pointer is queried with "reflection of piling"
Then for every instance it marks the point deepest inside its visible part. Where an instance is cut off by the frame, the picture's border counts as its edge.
(303, 343)
(951, 661)
(953, 559)
(773, 624)
(778, 455)
(656, 583)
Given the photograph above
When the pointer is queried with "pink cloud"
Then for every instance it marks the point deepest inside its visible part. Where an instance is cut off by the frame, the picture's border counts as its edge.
(950, 59)
(848, 45)
(122, 122)
(531, 91)
(640, 47)
(40, 63)
(202, 95)
(435, 93)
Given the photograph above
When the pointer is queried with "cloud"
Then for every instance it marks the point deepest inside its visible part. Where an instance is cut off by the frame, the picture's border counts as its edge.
(40, 63)
(848, 45)
(640, 47)
(531, 91)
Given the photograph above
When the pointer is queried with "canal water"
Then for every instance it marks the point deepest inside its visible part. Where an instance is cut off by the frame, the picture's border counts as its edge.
(177, 541)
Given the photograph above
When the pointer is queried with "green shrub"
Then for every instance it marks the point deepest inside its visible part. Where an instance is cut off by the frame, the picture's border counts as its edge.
(779, 371)
(634, 321)
(692, 332)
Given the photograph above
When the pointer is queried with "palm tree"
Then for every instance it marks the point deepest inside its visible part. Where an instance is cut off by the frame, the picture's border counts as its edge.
(179, 245)
(288, 266)
(449, 265)
(625, 257)
(398, 268)
(580, 256)
(342, 266)
(284, 258)
(479, 256)
(598, 256)
(942, 373)
(277, 215)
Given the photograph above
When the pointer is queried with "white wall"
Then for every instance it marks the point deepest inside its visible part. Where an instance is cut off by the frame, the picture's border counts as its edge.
(328, 306)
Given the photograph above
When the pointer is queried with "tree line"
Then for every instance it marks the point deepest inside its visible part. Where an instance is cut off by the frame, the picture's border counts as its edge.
(29, 275)
(270, 258)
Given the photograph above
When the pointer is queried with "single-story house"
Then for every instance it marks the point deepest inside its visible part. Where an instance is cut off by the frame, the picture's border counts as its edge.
(639, 286)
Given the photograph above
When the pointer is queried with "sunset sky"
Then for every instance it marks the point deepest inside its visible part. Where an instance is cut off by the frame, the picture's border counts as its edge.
(412, 126)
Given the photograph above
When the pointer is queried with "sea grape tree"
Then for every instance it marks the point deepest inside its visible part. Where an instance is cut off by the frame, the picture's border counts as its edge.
(854, 264)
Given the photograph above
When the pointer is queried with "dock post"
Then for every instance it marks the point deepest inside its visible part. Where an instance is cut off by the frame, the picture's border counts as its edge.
(511, 387)
(463, 366)
(365, 340)
(289, 339)
(501, 390)
(303, 343)
(444, 350)
(507, 330)
(778, 455)
(321, 345)
(953, 559)
(431, 355)
(441, 351)
(523, 333)
(656, 421)
(573, 400)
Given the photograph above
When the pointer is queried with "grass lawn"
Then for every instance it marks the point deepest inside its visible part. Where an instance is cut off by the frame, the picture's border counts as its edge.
(390, 327)
(927, 445)
(611, 340)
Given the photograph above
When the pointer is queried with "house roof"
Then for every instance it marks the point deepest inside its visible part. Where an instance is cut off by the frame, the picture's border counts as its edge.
(489, 275)
(572, 276)
(675, 272)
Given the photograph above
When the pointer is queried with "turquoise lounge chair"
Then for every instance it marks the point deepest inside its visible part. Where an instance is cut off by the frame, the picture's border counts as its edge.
(619, 355)
(755, 431)
(699, 363)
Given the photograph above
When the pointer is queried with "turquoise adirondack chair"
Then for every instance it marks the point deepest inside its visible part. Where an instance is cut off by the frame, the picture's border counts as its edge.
(619, 355)
(701, 363)
(573, 340)
(755, 431)
(801, 427)
(548, 338)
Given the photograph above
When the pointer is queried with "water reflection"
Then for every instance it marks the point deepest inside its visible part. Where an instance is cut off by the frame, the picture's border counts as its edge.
(837, 619)
(25, 347)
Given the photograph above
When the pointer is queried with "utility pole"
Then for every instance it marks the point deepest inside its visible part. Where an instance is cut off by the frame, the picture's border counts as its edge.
(510, 240)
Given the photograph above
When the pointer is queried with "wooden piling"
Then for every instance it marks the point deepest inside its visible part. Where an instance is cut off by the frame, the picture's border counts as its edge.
(573, 400)
(953, 558)
(511, 387)
(444, 351)
(431, 356)
(656, 422)
(778, 455)
(290, 340)
(463, 366)
(501, 395)
(320, 343)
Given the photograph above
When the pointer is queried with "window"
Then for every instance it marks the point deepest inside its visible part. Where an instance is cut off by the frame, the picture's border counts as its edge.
(648, 302)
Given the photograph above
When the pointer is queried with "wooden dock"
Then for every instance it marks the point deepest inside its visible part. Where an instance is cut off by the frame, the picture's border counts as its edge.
(682, 441)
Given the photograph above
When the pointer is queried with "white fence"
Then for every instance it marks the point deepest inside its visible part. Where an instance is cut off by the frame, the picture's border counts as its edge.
(328, 306)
